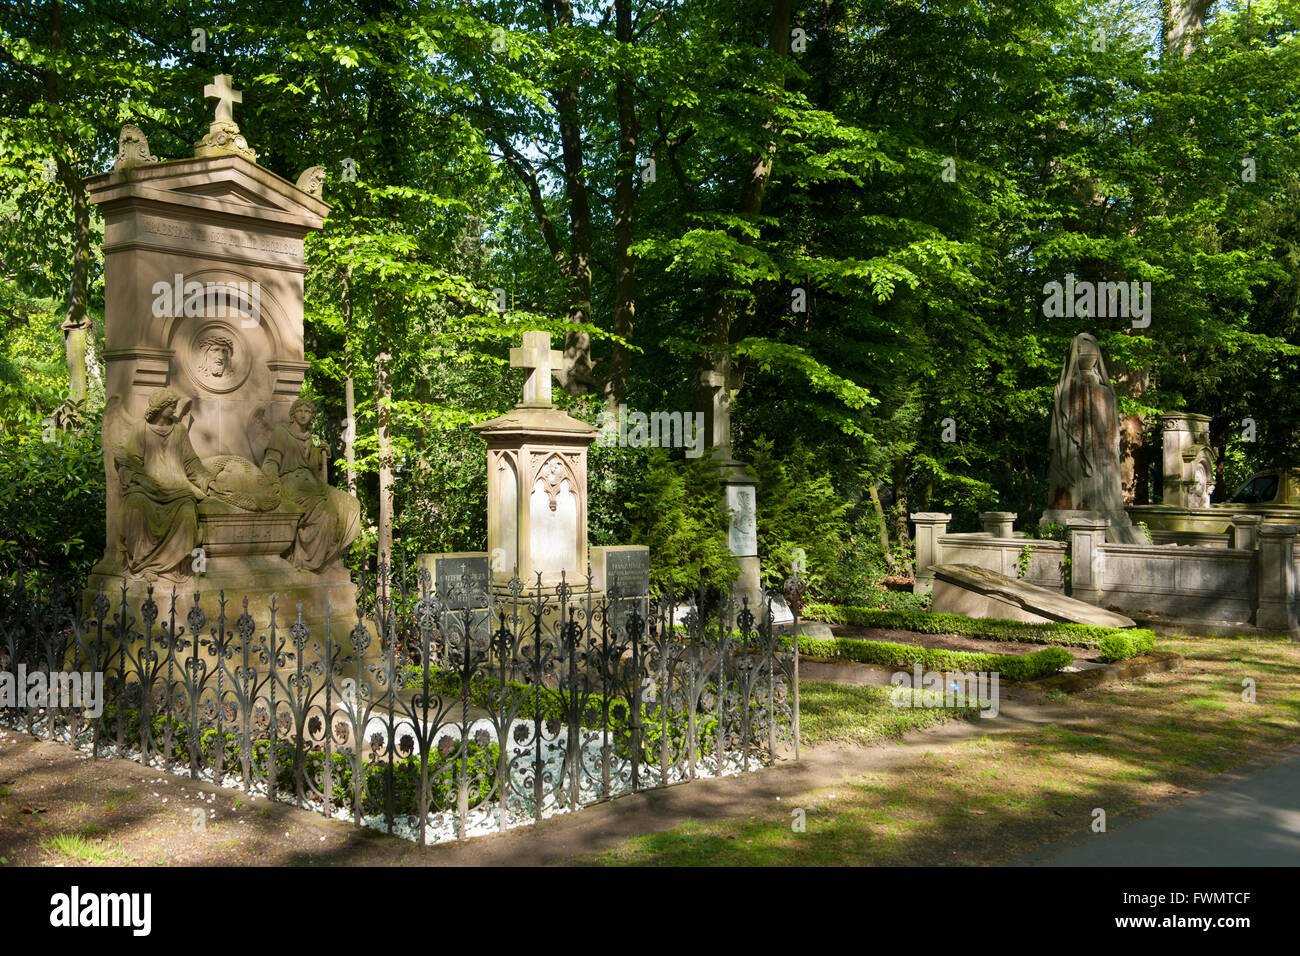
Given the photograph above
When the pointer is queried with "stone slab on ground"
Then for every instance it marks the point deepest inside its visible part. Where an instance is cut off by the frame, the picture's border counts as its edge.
(978, 592)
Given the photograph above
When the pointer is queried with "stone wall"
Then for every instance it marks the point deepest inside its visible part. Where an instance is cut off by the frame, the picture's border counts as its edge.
(1250, 585)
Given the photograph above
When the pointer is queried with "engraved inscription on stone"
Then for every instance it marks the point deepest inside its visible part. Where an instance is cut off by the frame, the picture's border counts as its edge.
(629, 570)
(225, 237)
(742, 536)
(463, 582)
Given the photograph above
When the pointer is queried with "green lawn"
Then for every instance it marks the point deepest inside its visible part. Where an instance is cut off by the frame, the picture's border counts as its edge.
(837, 713)
(991, 798)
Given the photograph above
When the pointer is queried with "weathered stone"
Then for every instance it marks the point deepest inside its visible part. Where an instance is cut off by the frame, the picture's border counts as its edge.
(1188, 460)
(537, 479)
(929, 525)
(1084, 443)
(203, 262)
(978, 592)
(331, 518)
(132, 148)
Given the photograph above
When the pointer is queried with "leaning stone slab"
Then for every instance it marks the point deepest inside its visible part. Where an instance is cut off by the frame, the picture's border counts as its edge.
(979, 592)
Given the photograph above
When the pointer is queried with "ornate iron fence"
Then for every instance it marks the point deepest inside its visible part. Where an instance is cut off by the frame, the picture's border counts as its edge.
(425, 717)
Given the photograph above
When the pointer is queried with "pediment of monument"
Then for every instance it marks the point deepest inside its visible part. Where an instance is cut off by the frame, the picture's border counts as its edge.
(226, 184)
(232, 191)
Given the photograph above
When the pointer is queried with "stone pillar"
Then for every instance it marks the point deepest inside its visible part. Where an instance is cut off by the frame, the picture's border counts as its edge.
(1187, 472)
(1087, 561)
(929, 525)
(741, 491)
(998, 523)
(1245, 531)
(1277, 580)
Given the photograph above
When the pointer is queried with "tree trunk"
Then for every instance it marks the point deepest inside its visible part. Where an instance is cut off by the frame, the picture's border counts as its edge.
(75, 323)
(1185, 25)
(577, 378)
(349, 399)
(349, 435)
(883, 524)
(721, 313)
(900, 516)
(624, 200)
(1134, 456)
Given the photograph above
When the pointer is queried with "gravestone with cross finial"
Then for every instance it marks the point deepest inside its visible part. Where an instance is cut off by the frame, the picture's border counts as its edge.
(537, 478)
(740, 488)
(203, 288)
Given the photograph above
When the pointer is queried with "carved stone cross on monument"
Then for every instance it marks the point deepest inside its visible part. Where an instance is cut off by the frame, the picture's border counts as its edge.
(225, 95)
(542, 362)
(718, 416)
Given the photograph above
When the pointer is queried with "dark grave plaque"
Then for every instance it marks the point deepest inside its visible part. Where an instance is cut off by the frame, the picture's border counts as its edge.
(627, 579)
(462, 583)
(629, 571)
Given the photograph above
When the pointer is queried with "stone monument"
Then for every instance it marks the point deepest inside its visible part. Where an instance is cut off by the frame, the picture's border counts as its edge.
(740, 488)
(1084, 445)
(213, 479)
(537, 479)
(1188, 460)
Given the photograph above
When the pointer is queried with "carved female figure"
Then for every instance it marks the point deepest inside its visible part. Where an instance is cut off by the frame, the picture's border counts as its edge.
(331, 518)
(162, 479)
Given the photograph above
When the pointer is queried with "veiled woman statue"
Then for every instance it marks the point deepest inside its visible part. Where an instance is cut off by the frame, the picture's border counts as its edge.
(331, 518)
(1085, 435)
(162, 479)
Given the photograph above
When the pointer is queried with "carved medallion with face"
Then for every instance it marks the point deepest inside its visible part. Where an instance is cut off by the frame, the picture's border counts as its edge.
(218, 358)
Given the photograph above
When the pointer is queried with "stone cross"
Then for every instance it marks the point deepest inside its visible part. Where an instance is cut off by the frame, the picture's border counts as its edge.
(221, 90)
(719, 416)
(542, 362)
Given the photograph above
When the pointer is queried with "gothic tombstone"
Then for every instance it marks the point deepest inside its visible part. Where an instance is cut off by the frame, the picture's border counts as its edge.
(537, 479)
(1084, 478)
(213, 479)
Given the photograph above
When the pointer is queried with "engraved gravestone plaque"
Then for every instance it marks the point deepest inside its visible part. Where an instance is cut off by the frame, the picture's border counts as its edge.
(629, 570)
(463, 582)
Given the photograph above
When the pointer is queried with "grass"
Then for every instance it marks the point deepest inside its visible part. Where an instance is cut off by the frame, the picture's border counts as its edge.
(989, 799)
(77, 847)
(860, 715)
(115, 798)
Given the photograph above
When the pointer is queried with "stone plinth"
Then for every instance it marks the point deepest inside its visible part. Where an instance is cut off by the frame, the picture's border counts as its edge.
(1277, 580)
(1087, 560)
(998, 524)
(741, 494)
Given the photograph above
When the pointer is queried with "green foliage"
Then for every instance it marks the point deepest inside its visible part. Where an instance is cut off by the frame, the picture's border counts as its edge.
(1013, 667)
(680, 513)
(799, 511)
(982, 628)
(921, 294)
(1023, 560)
(51, 506)
(1125, 644)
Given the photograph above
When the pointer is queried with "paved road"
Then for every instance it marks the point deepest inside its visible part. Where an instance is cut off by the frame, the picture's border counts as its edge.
(1252, 821)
